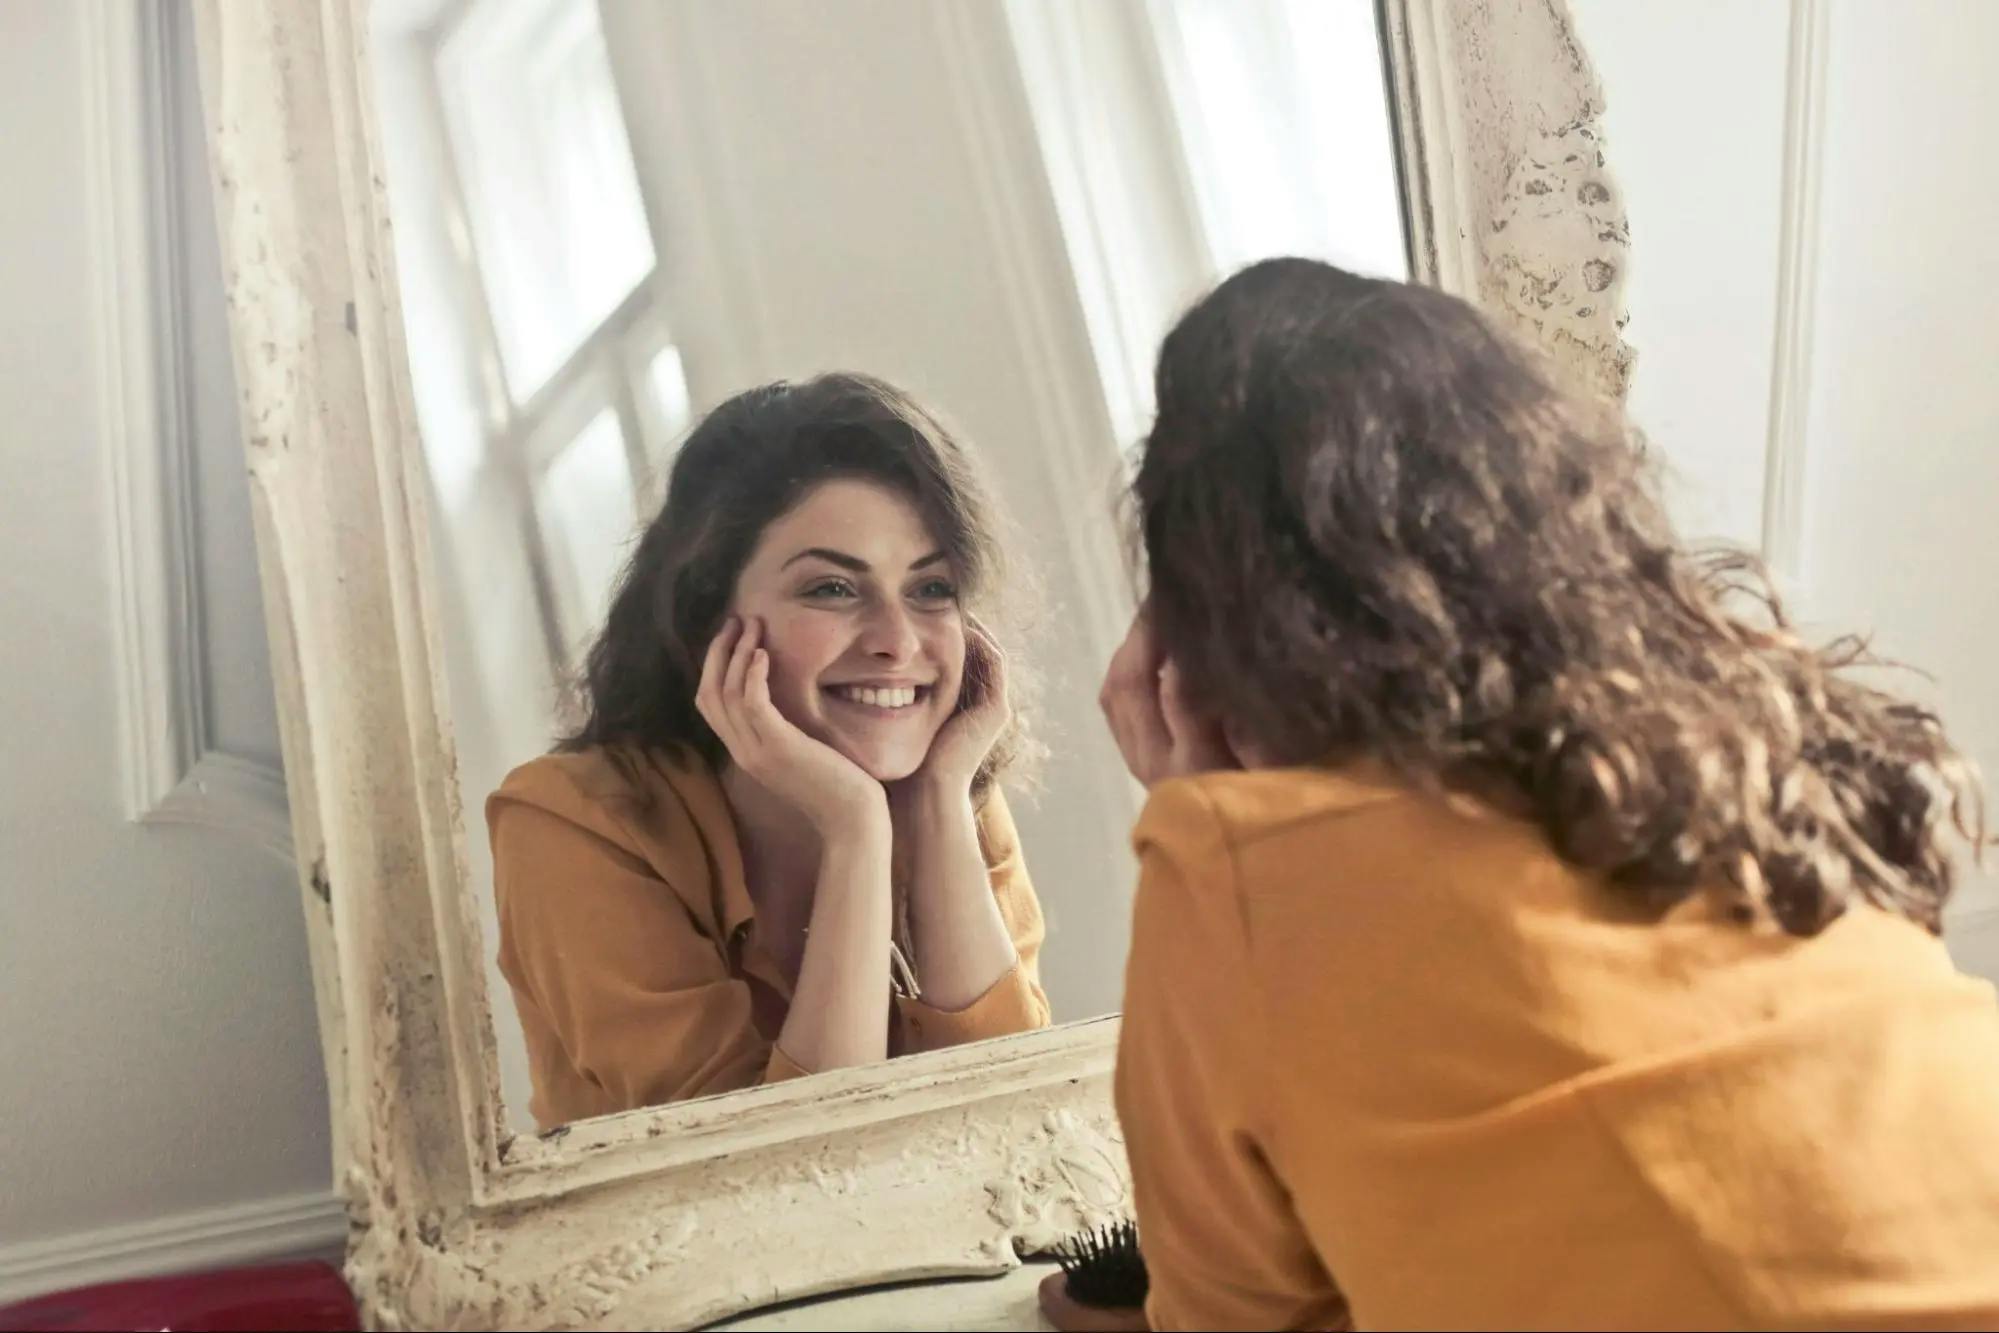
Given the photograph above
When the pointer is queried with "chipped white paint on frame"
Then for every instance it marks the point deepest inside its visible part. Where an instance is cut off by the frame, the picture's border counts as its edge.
(1509, 198)
(953, 1162)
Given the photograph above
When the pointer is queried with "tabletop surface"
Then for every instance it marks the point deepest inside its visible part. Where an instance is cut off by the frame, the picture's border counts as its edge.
(1005, 1302)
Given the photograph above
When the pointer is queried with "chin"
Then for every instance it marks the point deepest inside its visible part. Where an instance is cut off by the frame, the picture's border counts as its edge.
(891, 762)
(885, 767)
(886, 754)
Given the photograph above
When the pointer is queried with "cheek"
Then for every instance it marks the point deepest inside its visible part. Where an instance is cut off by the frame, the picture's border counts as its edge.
(947, 649)
(802, 646)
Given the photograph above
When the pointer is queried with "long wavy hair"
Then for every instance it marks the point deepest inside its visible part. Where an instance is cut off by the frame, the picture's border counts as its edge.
(749, 462)
(1374, 525)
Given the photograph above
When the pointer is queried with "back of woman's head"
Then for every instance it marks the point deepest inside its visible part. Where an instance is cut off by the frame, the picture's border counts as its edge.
(1374, 525)
(747, 463)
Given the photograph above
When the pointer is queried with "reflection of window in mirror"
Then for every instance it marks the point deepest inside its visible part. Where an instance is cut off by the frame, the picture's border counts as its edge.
(547, 379)
(570, 390)
(545, 171)
(666, 407)
(584, 508)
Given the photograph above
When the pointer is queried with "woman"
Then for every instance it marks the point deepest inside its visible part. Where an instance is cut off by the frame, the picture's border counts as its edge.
(1528, 935)
(780, 805)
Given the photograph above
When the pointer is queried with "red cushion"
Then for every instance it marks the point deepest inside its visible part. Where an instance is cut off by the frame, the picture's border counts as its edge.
(305, 1296)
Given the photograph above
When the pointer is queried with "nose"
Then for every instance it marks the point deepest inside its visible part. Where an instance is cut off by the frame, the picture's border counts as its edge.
(888, 633)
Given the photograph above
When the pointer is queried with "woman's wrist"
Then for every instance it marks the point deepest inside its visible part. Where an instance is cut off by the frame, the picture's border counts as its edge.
(935, 819)
(855, 817)
(927, 794)
(932, 812)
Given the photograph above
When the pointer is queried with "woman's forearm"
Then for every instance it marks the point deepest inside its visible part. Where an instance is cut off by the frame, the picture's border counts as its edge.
(839, 1011)
(962, 944)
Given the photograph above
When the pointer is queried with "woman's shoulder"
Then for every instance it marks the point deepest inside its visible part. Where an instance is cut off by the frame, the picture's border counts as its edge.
(609, 789)
(1241, 806)
(999, 840)
(1335, 831)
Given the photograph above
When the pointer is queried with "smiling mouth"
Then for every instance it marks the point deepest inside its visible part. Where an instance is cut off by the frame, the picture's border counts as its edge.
(882, 700)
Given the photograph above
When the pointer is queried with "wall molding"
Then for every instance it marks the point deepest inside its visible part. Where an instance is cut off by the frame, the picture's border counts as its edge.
(233, 795)
(312, 1224)
(1797, 282)
(135, 73)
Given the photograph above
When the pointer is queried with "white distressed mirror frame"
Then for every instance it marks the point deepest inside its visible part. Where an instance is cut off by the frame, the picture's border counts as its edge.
(948, 1163)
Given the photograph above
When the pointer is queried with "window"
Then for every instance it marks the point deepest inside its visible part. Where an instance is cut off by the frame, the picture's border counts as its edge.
(586, 510)
(546, 279)
(546, 170)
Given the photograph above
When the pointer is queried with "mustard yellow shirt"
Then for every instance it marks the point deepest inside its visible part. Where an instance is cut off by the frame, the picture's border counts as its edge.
(629, 939)
(1385, 1057)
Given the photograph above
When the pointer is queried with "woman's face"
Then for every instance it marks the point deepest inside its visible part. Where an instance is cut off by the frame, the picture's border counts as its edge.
(860, 609)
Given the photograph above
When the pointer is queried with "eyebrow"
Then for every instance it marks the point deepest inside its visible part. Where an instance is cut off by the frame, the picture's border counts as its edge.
(854, 563)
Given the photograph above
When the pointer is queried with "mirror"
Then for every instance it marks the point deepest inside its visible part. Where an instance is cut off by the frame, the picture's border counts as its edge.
(610, 220)
(1060, 182)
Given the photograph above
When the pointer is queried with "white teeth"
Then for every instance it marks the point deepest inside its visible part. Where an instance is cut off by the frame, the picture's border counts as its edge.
(902, 697)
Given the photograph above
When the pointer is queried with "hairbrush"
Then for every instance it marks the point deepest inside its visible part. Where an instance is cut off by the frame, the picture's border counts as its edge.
(1102, 1268)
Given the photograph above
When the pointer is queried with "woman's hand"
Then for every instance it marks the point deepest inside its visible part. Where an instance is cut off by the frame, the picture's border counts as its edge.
(962, 944)
(968, 735)
(1158, 730)
(829, 789)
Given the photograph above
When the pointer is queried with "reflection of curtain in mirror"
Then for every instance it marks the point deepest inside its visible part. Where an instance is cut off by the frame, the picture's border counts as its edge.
(1282, 108)
(1185, 138)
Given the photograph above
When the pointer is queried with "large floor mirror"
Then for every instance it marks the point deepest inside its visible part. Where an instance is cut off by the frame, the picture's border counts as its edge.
(611, 218)
(688, 369)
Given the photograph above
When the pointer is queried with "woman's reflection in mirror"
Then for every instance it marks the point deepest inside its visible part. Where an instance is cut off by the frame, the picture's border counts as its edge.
(774, 843)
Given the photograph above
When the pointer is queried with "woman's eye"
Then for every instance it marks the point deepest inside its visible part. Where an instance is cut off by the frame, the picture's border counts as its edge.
(831, 590)
(936, 590)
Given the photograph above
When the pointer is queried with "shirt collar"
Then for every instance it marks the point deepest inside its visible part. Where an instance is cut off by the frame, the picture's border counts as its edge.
(700, 788)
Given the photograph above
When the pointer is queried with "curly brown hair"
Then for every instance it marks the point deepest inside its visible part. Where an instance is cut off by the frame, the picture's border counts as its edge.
(1374, 525)
(747, 463)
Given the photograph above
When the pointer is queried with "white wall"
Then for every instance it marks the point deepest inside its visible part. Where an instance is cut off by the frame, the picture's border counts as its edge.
(1902, 474)
(1701, 179)
(160, 1080)
(1897, 406)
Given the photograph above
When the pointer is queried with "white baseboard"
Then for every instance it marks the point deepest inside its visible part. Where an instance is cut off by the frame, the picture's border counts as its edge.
(312, 1225)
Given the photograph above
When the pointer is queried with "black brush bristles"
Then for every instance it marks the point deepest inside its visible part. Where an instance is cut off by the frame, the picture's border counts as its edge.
(1103, 1268)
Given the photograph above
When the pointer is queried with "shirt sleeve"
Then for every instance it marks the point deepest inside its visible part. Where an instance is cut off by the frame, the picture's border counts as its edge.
(640, 1001)
(1222, 1245)
(1016, 1002)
